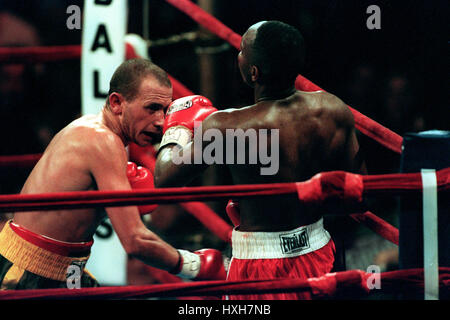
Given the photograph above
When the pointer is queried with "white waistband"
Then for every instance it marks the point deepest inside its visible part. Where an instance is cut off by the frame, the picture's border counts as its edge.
(284, 244)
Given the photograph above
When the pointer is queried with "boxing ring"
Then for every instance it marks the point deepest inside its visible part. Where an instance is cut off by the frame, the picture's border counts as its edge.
(326, 186)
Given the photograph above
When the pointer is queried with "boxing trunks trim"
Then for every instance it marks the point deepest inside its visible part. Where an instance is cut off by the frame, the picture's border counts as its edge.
(41, 255)
(276, 245)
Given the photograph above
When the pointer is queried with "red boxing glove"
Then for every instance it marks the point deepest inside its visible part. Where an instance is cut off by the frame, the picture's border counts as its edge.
(233, 212)
(180, 117)
(141, 178)
(204, 264)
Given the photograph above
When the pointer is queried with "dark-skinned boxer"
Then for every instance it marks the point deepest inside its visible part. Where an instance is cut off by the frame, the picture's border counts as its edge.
(276, 236)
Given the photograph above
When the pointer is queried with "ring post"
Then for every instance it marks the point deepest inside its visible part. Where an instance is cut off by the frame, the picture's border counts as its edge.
(424, 150)
(430, 234)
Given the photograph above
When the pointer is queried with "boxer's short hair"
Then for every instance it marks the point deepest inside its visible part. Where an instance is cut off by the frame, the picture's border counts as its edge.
(278, 52)
(128, 76)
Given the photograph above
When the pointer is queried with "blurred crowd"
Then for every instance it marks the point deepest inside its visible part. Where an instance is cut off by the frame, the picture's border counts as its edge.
(37, 100)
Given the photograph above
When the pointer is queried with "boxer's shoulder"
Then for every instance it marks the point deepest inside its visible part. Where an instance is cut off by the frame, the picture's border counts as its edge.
(339, 110)
(93, 130)
(330, 107)
(222, 119)
(88, 135)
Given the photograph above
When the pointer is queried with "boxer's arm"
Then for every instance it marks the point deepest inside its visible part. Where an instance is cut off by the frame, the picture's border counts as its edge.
(353, 160)
(108, 164)
(348, 146)
(356, 156)
(170, 173)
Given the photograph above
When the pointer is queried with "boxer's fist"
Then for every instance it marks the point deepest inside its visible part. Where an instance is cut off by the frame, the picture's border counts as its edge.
(141, 178)
(204, 264)
(186, 110)
(233, 212)
(211, 265)
(179, 123)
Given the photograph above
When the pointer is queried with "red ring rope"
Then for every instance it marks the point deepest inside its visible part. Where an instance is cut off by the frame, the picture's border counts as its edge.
(220, 227)
(367, 126)
(179, 90)
(146, 158)
(332, 181)
(329, 285)
(39, 54)
(326, 285)
(20, 161)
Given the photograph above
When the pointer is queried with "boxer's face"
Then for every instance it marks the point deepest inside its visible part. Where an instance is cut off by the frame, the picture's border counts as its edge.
(143, 117)
(245, 55)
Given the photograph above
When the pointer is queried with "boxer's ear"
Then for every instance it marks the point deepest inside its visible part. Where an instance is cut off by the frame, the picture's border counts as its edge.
(116, 101)
(254, 72)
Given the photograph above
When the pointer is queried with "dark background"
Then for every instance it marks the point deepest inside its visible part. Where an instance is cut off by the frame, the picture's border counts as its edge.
(344, 57)
(397, 75)
(342, 52)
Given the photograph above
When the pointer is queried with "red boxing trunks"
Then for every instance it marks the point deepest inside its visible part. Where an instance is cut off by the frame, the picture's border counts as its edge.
(32, 261)
(302, 253)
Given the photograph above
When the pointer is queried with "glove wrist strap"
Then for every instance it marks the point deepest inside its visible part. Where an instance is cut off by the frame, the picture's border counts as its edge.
(176, 135)
(190, 264)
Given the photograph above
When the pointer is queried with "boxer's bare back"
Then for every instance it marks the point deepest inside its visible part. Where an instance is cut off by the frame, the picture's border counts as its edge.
(316, 134)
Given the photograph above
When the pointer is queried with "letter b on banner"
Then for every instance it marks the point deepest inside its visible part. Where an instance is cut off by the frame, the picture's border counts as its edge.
(103, 49)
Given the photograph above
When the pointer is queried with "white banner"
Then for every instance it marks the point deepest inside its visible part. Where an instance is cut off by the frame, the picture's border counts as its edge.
(103, 49)
(108, 259)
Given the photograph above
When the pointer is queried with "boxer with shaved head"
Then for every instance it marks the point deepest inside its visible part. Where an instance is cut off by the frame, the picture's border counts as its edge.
(276, 236)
